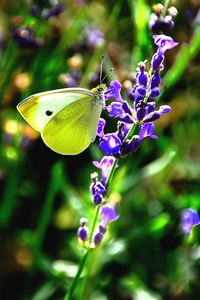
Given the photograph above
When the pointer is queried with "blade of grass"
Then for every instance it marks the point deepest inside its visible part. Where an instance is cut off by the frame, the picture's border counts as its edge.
(53, 187)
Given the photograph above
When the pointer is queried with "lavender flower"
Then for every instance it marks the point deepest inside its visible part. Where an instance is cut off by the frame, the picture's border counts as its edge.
(159, 22)
(98, 238)
(97, 189)
(94, 37)
(114, 91)
(189, 218)
(139, 115)
(164, 42)
(25, 38)
(100, 129)
(145, 92)
(45, 9)
(105, 165)
(83, 230)
(53, 11)
(110, 144)
(108, 214)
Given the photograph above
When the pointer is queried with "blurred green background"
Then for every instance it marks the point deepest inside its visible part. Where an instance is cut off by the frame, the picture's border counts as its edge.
(46, 45)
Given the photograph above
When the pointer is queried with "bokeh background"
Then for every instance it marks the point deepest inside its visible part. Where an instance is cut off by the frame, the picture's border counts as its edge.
(46, 45)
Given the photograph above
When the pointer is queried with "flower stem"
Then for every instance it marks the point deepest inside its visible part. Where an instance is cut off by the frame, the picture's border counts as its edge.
(111, 173)
(130, 133)
(82, 264)
(166, 5)
(76, 278)
(94, 224)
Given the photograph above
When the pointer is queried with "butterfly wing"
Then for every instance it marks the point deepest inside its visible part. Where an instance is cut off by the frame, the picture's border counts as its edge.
(40, 108)
(66, 118)
(73, 128)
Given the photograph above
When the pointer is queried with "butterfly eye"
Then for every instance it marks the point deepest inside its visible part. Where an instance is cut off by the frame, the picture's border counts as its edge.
(48, 113)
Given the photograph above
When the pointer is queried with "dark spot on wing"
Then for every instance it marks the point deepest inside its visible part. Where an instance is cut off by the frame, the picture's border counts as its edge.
(48, 113)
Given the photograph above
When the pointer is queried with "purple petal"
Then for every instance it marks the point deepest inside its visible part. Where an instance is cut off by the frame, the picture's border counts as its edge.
(164, 42)
(110, 144)
(151, 117)
(108, 214)
(83, 233)
(94, 37)
(98, 238)
(100, 128)
(163, 109)
(114, 91)
(115, 109)
(157, 60)
(150, 107)
(155, 80)
(120, 110)
(142, 78)
(155, 92)
(189, 218)
(105, 165)
(147, 130)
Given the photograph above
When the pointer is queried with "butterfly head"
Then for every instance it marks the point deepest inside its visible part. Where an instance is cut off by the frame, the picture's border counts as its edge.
(99, 91)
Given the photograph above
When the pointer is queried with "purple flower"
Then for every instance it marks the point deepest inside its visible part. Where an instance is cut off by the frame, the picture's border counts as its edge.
(105, 165)
(131, 145)
(141, 91)
(164, 42)
(53, 11)
(94, 37)
(114, 91)
(83, 230)
(142, 78)
(147, 130)
(120, 110)
(155, 92)
(115, 109)
(189, 218)
(157, 60)
(98, 238)
(97, 189)
(83, 233)
(160, 23)
(154, 115)
(140, 113)
(100, 128)
(108, 214)
(155, 80)
(25, 38)
(135, 124)
(110, 144)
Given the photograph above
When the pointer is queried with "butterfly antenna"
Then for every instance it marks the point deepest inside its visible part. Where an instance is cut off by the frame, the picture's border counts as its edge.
(111, 69)
(101, 68)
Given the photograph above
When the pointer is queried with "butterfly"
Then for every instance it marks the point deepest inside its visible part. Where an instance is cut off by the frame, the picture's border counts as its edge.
(67, 119)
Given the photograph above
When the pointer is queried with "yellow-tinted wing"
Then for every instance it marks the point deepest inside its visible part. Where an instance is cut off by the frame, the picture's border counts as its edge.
(73, 128)
(40, 108)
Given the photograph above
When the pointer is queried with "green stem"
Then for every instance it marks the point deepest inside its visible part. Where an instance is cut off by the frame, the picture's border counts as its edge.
(78, 274)
(9, 200)
(130, 133)
(166, 5)
(94, 223)
(111, 173)
(54, 185)
(7, 67)
(76, 278)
